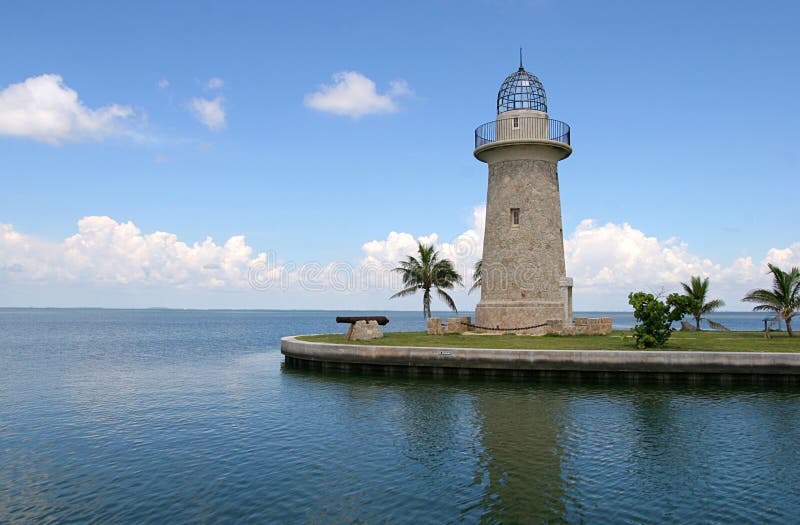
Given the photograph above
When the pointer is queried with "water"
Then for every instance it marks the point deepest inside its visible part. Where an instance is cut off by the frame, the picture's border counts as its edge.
(157, 416)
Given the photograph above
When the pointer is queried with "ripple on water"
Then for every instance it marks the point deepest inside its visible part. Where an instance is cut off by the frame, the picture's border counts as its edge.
(153, 417)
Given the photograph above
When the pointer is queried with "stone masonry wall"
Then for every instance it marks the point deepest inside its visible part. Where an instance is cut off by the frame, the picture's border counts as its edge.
(583, 326)
(523, 265)
(361, 330)
(458, 325)
(435, 326)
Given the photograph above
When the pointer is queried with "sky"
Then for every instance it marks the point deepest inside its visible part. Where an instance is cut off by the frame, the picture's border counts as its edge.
(286, 155)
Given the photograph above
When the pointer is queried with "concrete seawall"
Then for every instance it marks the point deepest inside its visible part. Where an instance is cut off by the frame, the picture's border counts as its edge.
(467, 361)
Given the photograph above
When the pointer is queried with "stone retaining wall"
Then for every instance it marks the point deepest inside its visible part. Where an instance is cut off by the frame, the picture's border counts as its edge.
(435, 326)
(583, 326)
(625, 362)
(458, 325)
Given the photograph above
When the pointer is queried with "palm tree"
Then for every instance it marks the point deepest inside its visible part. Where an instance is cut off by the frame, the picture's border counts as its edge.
(783, 299)
(425, 273)
(697, 292)
(477, 276)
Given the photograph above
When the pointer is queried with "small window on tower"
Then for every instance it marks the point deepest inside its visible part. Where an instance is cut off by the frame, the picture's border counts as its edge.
(515, 122)
(514, 216)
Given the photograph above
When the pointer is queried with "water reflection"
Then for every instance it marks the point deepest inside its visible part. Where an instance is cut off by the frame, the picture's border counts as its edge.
(160, 417)
(502, 451)
(674, 453)
(412, 444)
(521, 454)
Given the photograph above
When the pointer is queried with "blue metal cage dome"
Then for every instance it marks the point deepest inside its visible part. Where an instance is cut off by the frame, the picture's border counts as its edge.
(521, 90)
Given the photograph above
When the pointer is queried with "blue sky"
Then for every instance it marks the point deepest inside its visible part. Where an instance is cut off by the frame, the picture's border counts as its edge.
(683, 114)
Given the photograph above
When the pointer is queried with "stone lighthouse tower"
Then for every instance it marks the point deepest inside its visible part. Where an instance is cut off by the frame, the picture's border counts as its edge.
(524, 280)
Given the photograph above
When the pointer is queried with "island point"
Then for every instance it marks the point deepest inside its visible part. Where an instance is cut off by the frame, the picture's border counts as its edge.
(526, 296)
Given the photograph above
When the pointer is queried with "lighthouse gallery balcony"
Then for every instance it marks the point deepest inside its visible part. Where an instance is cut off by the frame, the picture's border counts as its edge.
(522, 129)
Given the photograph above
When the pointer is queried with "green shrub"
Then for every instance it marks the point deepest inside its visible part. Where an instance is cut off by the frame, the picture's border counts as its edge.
(654, 317)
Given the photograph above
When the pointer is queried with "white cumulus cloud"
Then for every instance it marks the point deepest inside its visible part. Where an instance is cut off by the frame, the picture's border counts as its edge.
(606, 262)
(109, 252)
(211, 112)
(464, 251)
(619, 255)
(45, 109)
(355, 95)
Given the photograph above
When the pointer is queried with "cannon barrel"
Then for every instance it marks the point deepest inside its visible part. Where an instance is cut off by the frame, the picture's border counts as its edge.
(381, 319)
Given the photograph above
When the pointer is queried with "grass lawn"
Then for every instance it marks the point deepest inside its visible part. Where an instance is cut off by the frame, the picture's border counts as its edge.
(618, 340)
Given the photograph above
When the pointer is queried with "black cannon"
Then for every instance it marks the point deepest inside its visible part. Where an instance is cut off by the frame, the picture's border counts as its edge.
(382, 320)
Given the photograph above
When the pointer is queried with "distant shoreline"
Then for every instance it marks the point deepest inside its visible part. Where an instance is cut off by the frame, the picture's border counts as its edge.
(443, 313)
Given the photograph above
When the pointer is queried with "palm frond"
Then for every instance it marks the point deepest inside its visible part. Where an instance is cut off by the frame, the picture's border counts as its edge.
(688, 327)
(427, 254)
(447, 299)
(411, 271)
(710, 306)
(766, 308)
(697, 292)
(717, 326)
(477, 276)
(406, 291)
(761, 295)
(425, 271)
(444, 275)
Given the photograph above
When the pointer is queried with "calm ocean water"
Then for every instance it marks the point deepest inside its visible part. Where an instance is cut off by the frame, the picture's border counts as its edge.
(164, 416)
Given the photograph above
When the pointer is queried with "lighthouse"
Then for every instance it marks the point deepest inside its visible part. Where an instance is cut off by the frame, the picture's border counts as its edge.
(524, 284)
